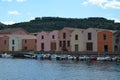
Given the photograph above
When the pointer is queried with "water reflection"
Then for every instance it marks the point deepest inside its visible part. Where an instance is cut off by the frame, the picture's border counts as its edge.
(28, 69)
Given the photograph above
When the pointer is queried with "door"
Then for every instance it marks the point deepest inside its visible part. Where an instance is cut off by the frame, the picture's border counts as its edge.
(76, 47)
(53, 46)
(105, 48)
(116, 48)
(42, 46)
(89, 46)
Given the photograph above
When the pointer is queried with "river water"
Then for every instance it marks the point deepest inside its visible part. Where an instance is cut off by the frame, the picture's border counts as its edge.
(30, 69)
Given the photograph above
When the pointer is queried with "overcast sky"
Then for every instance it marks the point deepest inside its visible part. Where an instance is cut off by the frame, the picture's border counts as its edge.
(14, 11)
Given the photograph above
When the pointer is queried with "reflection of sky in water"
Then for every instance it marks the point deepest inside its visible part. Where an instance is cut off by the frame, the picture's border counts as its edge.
(26, 69)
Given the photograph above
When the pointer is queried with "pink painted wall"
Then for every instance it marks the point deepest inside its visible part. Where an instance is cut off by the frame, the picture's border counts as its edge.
(54, 40)
(30, 44)
(94, 32)
(4, 43)
(45, 41)
(68, 33)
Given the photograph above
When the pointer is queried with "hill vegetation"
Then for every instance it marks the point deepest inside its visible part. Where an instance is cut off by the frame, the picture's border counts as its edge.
(57, 23)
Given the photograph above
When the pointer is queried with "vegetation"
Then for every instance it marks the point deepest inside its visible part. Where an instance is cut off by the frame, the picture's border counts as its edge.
(57, 23)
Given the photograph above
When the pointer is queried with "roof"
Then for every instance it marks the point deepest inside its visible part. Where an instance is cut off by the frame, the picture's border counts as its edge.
(10, 30)
(29, 37)
(25, 36)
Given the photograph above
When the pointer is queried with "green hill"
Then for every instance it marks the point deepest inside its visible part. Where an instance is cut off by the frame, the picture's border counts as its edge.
(57, 23)
(2, 26)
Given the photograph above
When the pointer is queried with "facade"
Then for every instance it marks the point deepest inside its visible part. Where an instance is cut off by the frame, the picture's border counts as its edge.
(116, 41)
(90, 39)
(77, 40)
(15, 42)
(64, 39)
(53, 40)
(15, 31)
(4, 43)
(104, 41)
(42, 41)
(29, 43)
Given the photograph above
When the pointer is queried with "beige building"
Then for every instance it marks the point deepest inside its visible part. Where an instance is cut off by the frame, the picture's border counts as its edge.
(77, 40)
(15, 42)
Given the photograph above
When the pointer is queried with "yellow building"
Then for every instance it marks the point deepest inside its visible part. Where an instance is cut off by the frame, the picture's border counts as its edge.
(77, 40)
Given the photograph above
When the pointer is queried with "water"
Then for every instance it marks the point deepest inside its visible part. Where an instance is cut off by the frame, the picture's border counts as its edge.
(29, 69)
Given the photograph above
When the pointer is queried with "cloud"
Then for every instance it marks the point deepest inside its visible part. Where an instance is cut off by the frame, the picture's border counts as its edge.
(13, 13)
(8, 22)
(114, 4)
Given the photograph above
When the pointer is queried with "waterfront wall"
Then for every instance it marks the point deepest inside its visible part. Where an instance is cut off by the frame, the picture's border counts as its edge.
(67, 39)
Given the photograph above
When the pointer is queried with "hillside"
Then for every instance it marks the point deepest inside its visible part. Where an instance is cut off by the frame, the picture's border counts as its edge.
(57, 23)
(2, 26)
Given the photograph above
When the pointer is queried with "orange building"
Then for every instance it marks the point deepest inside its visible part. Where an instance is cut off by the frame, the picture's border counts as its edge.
(29, 43)
(4, 43)
(104, 41)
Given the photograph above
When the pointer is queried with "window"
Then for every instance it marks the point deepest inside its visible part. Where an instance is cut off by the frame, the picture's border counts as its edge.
(60, 44)
(5, 42)
(117, 41)
(64, 43)
(68, 43)
(42, 37)
(25, 41)
(64, 35)
(53, 36)
(76, 37)
(13, 41)
(104, 36)
(89, 36)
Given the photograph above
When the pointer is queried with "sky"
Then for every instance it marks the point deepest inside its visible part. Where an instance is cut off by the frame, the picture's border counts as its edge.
(15, 11)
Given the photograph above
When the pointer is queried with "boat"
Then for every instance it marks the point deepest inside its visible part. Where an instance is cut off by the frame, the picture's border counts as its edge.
(92, 58)
(82, 58)
(6, 55)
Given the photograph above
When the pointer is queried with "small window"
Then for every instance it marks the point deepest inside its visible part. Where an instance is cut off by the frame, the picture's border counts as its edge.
(5, 42)
(104, 36)
(64, 43)
(25, 41)
(117, 41)
(53, 37)
(64, 35)
(42, 37)
(60, 43)
(89, 36)
(76, 37)
(68, 43)
(13, 41)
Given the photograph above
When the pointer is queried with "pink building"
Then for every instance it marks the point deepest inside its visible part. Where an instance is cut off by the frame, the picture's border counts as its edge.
(16, 31)
(64, 39)
(43, 41)
(29, 43)
(53, 40)
(4, 43)
(90, 39)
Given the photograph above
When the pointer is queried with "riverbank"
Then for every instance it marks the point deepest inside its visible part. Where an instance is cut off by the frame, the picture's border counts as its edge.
(61, 56)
